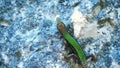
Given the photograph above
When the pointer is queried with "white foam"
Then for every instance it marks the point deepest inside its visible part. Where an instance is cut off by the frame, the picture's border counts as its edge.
(20, 65)
(81, 27)
(79, 22)
(5, 57)
(114, 65)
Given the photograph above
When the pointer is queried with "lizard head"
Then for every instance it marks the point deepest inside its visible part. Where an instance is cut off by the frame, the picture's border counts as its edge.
(60, 25)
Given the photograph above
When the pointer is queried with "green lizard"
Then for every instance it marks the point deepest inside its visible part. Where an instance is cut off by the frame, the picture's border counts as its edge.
(76, 46)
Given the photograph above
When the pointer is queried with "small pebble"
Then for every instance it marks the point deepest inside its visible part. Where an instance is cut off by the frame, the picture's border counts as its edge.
(3, 22)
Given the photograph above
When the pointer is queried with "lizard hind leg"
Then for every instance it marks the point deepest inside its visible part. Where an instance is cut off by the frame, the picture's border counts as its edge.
(93, 58)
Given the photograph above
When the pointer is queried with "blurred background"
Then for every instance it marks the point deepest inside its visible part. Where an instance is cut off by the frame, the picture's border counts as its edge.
(29, 37)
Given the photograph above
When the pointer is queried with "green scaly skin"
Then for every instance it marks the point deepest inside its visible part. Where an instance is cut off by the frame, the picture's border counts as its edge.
(62, 29)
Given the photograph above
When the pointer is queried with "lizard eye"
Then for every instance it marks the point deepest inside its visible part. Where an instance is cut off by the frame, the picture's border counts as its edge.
(60, 26)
